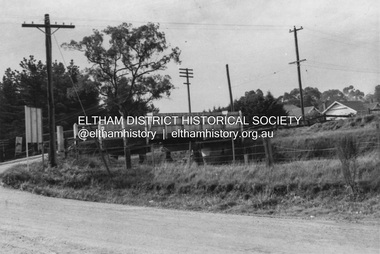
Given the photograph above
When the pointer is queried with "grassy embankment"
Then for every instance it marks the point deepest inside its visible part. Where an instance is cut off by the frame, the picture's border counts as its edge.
(313, 187)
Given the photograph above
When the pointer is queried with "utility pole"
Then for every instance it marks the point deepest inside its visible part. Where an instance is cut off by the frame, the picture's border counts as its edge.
(298, 68)
(48, 33)
(229, 87)
(232, 110)
(187, 73)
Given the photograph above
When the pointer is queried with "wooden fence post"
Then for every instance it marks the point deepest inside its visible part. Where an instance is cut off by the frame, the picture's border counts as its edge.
(152, 153)
(245, 154)
(189, 157)
(60, 139)
(76, 140)
(378, 135)
(268, 152)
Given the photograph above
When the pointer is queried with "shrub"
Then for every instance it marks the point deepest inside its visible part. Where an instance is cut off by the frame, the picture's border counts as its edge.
(16, 177)
(348, 151)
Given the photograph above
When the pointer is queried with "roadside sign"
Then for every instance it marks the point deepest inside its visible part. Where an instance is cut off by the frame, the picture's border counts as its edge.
(33, 128)
(18, 146)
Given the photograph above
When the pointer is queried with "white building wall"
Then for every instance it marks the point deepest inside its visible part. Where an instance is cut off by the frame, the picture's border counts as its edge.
(338, 109)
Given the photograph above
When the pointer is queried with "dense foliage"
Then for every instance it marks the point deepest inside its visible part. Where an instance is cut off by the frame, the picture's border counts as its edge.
(128, 66)
(28, 87)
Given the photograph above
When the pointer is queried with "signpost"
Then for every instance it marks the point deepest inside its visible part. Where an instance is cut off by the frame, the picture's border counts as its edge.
(33, 129)
(18, 146)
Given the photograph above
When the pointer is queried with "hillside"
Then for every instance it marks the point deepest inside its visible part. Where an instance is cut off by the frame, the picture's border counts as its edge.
(320, 139)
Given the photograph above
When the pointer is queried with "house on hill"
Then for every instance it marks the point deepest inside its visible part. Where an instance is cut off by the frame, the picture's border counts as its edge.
(296, 111)
(338, 109)
(374, 107)
(290, 108)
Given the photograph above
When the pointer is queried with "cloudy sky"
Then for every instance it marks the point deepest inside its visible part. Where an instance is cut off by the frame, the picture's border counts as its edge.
(340, 41)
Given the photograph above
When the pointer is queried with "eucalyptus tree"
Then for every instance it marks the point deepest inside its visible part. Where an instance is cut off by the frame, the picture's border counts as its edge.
(127, 62)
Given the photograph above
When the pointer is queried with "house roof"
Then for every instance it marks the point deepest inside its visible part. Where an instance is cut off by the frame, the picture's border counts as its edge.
(373, 105)
(288, 107)
(296, 111)
(358, 106)
(310, 109)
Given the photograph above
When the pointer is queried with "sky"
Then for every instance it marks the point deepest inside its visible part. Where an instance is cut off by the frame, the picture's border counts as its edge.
(340, 41)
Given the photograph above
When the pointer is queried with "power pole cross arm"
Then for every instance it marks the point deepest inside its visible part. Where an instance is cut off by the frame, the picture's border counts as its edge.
(51, 26)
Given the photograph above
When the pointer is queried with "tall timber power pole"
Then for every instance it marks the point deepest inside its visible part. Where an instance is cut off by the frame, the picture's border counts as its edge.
(298, 68)
(232, 109)
(48, 33)
(187, 73)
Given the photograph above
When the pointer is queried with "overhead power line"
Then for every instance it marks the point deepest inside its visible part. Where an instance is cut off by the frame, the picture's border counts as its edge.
(343, 40)
(340, 69)
(343, 67)
(260, 77)
(266, 26)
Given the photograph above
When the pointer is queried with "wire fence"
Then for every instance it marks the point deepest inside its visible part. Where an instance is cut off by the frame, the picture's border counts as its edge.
(222, 151)
(213, 151)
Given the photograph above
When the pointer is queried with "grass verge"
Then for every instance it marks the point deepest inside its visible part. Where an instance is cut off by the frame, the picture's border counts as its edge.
(299, 188)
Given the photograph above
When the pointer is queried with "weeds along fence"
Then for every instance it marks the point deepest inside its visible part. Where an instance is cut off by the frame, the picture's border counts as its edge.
(283, 154)
(314, 145)
(319, 142)
(322, 145)
(220, 151)
(284, 148)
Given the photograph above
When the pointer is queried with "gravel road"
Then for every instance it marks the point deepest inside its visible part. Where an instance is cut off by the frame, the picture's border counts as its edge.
(37, 224)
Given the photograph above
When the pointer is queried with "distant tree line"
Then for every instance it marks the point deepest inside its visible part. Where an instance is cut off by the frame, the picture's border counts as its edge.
(255, 103)
(313, 97)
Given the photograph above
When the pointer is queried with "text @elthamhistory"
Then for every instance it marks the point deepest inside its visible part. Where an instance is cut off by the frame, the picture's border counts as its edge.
(84, 134)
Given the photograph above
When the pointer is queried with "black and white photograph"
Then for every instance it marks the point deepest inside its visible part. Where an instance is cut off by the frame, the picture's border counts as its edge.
(200, 126)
